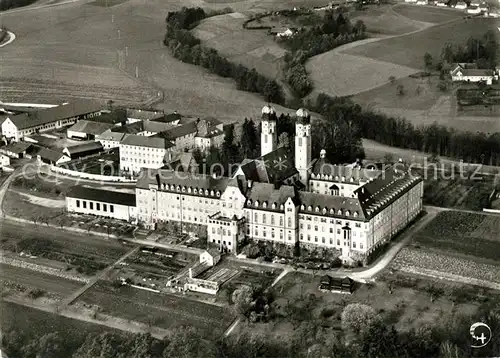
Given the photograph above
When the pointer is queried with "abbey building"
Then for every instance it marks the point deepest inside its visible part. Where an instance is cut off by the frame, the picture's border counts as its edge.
(286, 198)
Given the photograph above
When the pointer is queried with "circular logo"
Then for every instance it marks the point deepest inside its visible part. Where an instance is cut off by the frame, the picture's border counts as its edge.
(481, 334)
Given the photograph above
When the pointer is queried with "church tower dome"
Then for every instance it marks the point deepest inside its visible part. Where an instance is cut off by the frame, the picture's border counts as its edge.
(303, 144)
(269, 135)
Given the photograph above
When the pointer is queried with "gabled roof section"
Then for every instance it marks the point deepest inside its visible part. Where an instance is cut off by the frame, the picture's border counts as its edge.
(90, 127)
(112, 136)
(17, 147)
(104, 196)
(49, 154)
(183, 182)
(144, 114)
(265, 196)
(84, 147)
(148, 142)
(323, 170)
(380, 193)
(331, 206)
(49, 115)
(179, 131)
(273, 167)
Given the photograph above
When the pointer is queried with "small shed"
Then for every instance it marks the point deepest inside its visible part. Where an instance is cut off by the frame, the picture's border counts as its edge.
(83, 150)
(210, 256)
(52, 157)
(342, 285)
(17, 149)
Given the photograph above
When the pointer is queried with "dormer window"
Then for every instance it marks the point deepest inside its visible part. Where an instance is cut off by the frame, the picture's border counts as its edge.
(195, 191)
(178, 188)
(309, 208)
(324, 210)
(211, 193)
(352, 179)
(355, 214)
(264, 204)
(282, 207)
(206, 192)
(183, 189)
(273, 206)
(332, 211)
(218, 194)
(189, 189)
(256, 203)
(317, 209)
(343, 178)
(347, 213)
(302, 207)
(249, 202)
(164, 186)
(339, 212)
(336, 177)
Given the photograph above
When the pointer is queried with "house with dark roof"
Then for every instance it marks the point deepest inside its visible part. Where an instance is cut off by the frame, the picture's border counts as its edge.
(83, 150)
(110, 139)
(91, 201)
(138, 115)
(87, 130)
(17, 149)
(52, 157)
(47, 119)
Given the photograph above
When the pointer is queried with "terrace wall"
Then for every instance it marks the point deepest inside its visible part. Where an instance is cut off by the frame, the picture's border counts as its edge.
(89, 176)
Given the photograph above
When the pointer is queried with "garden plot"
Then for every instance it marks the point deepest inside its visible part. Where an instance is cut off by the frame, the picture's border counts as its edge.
(161, 310)
(150, 263)
(489, 229)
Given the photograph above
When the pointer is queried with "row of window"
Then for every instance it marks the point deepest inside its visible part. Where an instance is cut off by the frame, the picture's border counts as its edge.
(97, 206)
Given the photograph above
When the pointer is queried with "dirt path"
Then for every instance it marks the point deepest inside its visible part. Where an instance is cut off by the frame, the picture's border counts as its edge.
(37, 200)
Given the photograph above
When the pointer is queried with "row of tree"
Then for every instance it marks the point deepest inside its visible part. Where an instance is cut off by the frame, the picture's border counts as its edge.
(11, 4)
(334, 30)
(363, 332)
(399, 132)
(187, 48)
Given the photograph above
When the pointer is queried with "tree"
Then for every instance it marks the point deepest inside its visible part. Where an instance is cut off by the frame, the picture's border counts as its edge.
(357, 317)
(242, 299)
(401, 90)
(248, 139)
(428, 61)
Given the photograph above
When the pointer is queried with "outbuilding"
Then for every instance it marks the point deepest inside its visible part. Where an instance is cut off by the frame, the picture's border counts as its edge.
(51, 157)
(83, 150)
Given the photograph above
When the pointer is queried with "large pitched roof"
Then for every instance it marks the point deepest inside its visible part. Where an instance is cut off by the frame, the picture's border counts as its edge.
(17, 147)
(184, 182)
(329, 205)
(105, 196)
(143, 114)
(323, 170)
(179, 131)
(84, 147)
(269, 195)
(149, 142)
(49, 154)
(112, 136)
(48, 115)
(90, 127)
(273, 167)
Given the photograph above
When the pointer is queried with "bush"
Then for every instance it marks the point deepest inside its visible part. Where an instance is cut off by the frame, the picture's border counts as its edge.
(36, 293)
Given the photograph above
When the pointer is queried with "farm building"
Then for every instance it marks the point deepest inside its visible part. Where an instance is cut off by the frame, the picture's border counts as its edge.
(17, 149)
(43, 120)
(116, 117)
(441, 4)
(52, 157)
(43, 140)
(138, 115)
(283, 32)
(83, 150)
(422, 2)
(87, 130)
(111, 204)
(182, 162)
(484, 7)
(461, 5)
(110, 139)
(342, 285)
(411, 1)
(462, 73)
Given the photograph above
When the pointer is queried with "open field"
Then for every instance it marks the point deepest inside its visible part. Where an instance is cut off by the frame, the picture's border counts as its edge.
(252, 48)
(162, 310)
(21, 206)
(359, 73)
(398, 51)
(119, 41)
(427, 13)
(383, 21)
(30, 323)
(19, 279)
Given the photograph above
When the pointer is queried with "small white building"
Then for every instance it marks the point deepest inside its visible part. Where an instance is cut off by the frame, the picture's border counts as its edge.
(4, 160)
(51, 157)
(461, 5)
(86, 130)
(210, 256)
(422, 2)
(473, 10)
(411, 1)
(110, 139)
(111, 204)
(441, 4)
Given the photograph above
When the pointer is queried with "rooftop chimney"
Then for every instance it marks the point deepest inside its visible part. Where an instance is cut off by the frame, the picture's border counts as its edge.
(158, 181)
(249, 184)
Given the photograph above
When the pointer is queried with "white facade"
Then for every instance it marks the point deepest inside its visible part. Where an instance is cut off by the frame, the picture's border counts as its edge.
(134, 157)
(4, 160)
(101, 208)
(268, 136)
(303, 144)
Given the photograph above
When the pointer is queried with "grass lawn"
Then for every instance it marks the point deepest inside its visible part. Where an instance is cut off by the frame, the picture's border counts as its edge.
(426, 13)
(252, 48)
(396, 50)
(161, 310)
(30, 323)
(19, 206)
